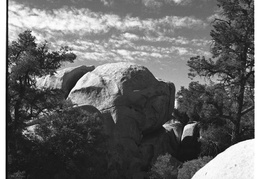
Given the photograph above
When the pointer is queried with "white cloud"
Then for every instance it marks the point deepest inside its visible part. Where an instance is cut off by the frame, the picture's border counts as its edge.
(177, 40)
(152, 3)
(200, 42)
(84, 21)
(79, 24)
(156, 55)
(130, 36)
(180, 22)
(178, 2)
(182, 41)
(108, 2)
(182, 51)
(158, 3)
(123, 52)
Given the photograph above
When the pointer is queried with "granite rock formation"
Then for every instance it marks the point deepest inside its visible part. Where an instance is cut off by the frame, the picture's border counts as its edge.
(135, 108)
(235, 162)
(64, 79)
(134, 103)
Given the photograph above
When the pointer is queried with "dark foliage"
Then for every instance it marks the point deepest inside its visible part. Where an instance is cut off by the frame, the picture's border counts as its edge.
(70, 141)
(26, 61)
(189, 168)
(165, 167)
(66, 142)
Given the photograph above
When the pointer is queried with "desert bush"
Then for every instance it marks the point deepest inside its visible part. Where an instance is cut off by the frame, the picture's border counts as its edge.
(247, 127)
(17, 175)
(215, 137)
(165, 167)
(208, 148)
(189, 168)
(71, 141)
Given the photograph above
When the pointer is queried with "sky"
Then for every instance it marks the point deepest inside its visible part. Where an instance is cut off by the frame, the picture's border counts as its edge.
(161, 35)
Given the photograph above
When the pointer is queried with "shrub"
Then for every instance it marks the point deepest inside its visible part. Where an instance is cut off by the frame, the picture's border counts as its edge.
(208, 148)
(165, 167)
(218, 136)
(189, 168)
(17, 175)
(71, 141)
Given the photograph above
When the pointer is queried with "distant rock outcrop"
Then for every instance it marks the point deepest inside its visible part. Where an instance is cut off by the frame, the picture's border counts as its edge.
(190, 130)
(64, 79)
(175, 127)
(190, 147)
(133, 102)
(235, 162)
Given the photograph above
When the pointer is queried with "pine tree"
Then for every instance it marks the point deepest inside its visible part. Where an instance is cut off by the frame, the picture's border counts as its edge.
(26, 61)
(232, 62)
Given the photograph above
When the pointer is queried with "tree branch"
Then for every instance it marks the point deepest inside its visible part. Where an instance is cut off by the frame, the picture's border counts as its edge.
(247, 110)
(222, 20)
(33, 122)
(249, 74)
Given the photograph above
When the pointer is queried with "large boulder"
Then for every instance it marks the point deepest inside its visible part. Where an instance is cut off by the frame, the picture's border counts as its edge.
(130, 93)
(64, 79)
(235, 162)
(132, 100)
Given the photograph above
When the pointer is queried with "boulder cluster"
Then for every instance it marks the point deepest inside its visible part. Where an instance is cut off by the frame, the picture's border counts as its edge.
(136, 109)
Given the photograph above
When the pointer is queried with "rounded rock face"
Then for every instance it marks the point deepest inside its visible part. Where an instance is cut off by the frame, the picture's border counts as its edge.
(235, 162)
(109, 82)
(64, 79)
(129, 92)
(133, 102)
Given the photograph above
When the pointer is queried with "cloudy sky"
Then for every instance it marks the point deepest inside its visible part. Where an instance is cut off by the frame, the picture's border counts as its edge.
(159, 34)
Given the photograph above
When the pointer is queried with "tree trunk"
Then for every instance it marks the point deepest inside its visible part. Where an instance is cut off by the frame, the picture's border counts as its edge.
(235, 132)
(240, 102)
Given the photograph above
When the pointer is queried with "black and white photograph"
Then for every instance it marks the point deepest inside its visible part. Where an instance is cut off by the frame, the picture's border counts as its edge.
(130, 89)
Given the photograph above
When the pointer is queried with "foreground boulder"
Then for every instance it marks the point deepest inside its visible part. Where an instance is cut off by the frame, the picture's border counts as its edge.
(132, 100)
(64, 79)
(235, 162)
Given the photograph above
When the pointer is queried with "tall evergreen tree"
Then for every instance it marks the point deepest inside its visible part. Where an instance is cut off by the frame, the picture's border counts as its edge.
(232, 62)
(26, 61)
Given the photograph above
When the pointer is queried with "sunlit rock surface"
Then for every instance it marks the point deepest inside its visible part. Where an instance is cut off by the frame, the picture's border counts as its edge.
(235, 162)
(64, 79)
